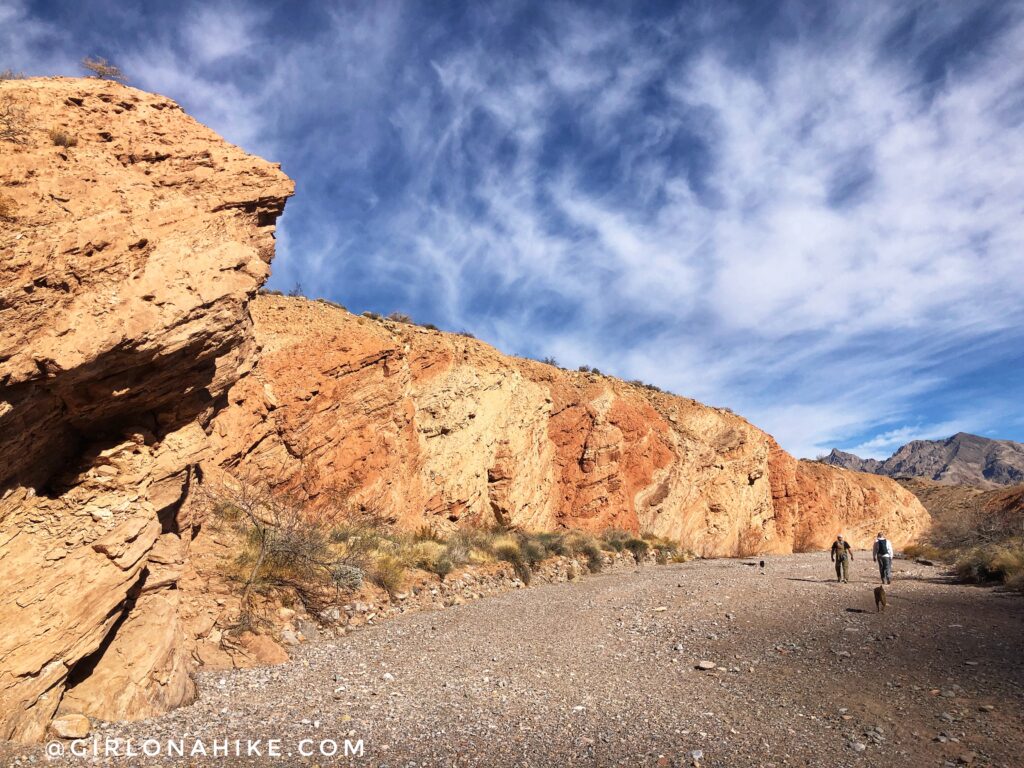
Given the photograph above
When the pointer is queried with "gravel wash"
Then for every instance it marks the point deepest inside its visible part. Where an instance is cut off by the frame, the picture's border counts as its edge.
(604, 672)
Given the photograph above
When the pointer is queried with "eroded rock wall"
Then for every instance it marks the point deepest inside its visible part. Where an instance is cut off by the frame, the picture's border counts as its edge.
(128, 261)
(421, 427)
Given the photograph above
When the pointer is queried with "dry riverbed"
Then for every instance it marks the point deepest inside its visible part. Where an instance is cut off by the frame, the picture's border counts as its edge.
(603, 672)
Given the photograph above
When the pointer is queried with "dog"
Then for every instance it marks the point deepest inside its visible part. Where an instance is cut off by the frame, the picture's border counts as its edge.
(880, 601)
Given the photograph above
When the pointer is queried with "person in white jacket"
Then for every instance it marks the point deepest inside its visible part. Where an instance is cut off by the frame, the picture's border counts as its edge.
(881, 553)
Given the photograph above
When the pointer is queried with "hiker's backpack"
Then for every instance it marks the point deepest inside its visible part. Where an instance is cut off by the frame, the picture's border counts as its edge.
(883, 547)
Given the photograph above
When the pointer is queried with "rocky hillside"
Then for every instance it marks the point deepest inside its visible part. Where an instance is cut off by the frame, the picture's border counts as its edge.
(965, 502)
(133, 239)
(962, 459)
(419, 427)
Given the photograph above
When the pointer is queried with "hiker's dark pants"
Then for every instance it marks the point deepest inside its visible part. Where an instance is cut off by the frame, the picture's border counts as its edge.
(885, 569)
(842, 569)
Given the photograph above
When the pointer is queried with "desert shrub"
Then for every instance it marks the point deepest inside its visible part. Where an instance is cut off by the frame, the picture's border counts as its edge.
(637, 547)
(645, 385)
(347, 577)
(400, 317)
(330, 303)
(10, 74)
(430, 555)
(296, 291)
(427, 533)
(507, 548)
(587, 547)
(803, 539)
(62, 138)
(554, 542)
(749, 542)
(372, 315)
(925, 551)
(1003, 562)
(614, 540)
(8, 209)
(533, 550)
(103, 69)
(283, 545)
(387, 571)
(550, 361)
(584, 369)
(429, 326)
(457, 549)
(13, 121)
(467, 334)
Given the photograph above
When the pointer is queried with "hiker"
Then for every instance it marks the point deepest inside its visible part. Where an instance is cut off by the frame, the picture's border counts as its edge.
(841, 556)
(881, 553)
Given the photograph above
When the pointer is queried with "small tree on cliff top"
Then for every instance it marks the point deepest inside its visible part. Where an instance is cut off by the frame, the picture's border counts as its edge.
(103, 69)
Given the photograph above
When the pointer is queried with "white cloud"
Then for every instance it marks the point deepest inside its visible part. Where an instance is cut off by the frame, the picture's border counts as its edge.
(714, 231)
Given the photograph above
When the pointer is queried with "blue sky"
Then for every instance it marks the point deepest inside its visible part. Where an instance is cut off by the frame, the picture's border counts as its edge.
(812, 213)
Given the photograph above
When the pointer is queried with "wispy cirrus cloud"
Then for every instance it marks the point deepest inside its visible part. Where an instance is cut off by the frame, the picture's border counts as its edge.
(811, 214)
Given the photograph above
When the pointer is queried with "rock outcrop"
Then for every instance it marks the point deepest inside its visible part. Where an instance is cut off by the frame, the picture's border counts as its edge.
(419, 427)
(962, 459)
(133, 238)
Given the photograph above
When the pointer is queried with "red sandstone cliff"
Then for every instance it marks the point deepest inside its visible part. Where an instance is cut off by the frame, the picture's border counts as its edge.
(427, 428)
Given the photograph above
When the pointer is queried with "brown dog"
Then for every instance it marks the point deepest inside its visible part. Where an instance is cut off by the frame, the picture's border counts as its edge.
(880, 601)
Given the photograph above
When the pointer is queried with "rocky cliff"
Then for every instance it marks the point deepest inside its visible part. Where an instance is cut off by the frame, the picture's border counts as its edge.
(132, 240)
(962, 459)
(419, 427)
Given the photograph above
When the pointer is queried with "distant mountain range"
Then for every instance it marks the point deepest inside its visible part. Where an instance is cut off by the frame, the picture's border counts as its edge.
(962, 459)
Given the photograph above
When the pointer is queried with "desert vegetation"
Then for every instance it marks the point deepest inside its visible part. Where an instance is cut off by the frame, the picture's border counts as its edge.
(984, 543)
(101, 68)
(316, 555)
(8, 209)
(62, 138)
(13, 121)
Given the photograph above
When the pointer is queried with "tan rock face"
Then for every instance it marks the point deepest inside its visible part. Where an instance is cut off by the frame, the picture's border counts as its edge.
(425, 428)
(128, 262)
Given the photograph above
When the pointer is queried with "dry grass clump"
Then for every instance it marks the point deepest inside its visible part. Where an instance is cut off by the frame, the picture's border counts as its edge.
(61, 138)
(387, 572)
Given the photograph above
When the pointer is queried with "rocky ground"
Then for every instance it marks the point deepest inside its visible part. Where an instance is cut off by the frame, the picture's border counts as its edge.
(604, 672)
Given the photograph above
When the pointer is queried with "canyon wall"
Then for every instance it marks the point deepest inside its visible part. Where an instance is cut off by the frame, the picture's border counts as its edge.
(134, 362)
(424, 428)
(132, 240)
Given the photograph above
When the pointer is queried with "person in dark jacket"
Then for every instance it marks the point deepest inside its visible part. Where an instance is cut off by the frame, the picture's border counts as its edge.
(842, 555)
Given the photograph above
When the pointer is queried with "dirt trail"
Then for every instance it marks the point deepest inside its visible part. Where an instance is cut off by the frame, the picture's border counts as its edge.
(602, 673)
